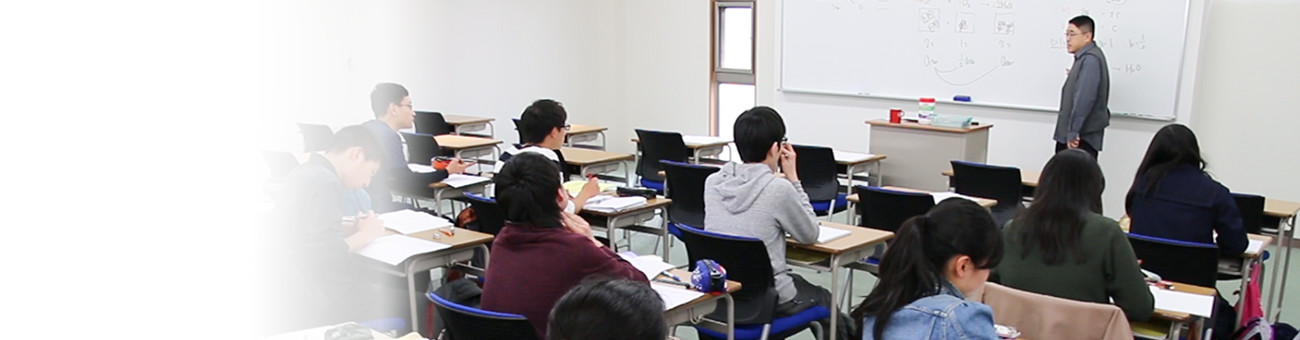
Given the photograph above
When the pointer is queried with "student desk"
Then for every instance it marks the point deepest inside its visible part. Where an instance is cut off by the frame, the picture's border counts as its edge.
(853, 200)
(694, 312)
(859, 244)
(628, 219)
(442, 191)
(923, 149)
(591, 161)
(469, 125)
(579, 133)
(851, 161)
(1177, 319)
(702, 146)
(1285, 211)
(463, 244)
(467, 147)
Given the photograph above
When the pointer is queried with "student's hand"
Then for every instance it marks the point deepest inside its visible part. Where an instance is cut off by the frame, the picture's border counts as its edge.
(369, 228)
(1067, 71)
(1074, 144)
(591, 189)
(577, 225)
(789, 162)
(457, 166)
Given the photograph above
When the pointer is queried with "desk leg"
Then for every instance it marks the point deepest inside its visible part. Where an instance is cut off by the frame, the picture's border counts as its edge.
(437, 201)
(627, 173)
(1286, 266)
(731, 317)
(663, 230)
(413, 296)
(835, 296)
(603, 141)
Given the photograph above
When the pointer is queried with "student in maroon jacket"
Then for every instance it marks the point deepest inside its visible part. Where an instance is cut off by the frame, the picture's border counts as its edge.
(542, 251)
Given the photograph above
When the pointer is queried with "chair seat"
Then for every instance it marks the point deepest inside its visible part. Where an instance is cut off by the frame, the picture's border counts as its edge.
(779, 325)
(658, 186)
(822, 207)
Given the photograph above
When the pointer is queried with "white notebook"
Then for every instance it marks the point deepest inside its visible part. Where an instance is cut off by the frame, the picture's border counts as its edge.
(612, 204)
(674, 296)
(940, 196)
(825, 234)
(410, 222)
(650, 265)
(460, 180)
(1182, 302)
(1255, 247)
(393, 249)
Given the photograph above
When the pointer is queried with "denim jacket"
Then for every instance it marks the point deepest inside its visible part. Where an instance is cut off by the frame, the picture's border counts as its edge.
(944, 316)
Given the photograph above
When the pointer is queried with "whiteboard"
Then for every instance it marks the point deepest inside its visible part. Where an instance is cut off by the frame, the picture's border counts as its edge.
(1008, 53)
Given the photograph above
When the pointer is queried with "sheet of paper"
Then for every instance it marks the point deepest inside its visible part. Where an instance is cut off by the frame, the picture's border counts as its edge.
(674, 296)
(702, 139)
(1182, 302)
(1255, 247)
(826, 234)
(410, 222)
(575, 187)
(615, 203)
(393, 249)
(844, 156)
(420, 168)
(940, 196)
(650, 265)
(461, 180)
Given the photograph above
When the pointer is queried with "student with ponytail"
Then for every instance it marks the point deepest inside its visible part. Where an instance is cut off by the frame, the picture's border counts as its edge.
(934, 261)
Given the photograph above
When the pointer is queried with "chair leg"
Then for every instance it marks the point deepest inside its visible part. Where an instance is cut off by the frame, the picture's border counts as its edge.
(817, 329)
(766, 329)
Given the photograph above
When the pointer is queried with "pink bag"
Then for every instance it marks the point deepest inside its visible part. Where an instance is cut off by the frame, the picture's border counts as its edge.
(1253, 324)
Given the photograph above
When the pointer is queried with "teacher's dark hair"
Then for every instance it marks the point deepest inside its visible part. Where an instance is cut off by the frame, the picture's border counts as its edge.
(1085, 25)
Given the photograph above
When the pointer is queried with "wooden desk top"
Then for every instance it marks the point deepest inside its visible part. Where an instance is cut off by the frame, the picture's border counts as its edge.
(462, 238)
(1186, 288)
(915, 126)
(581, 129)
(732, 286)
(584, 157)
(851, 158)
(1028, 178)
(699, 142)
(983, 202)
(857, 238)
(1279, 208)
(455, 120)
(657, 202)
(457, 142)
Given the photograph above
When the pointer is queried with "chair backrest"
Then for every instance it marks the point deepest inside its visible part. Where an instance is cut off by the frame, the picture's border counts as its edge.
(431, 123)
(518, 130)
(817, 172)
(489, 214)
(1178, 261)
(469, 323)
(1001, 183)
(315, 137)
(659, 146)
(685, 186)
(886, 209)
(1039, 316)
(279, 163)
(421, 148)
(1252, 211)
(746, 261)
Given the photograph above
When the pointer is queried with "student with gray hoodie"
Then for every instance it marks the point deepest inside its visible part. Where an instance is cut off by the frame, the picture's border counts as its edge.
(750, 200)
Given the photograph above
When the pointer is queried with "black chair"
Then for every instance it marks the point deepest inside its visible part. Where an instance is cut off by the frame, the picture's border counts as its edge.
(469, 323)
(685, 186)
(315, 137)
(885, 209)
(990, 181)
(279, 164)
(421, 148)
(431, 123)
(658, 146)
(1251, 208)
(490, 216)
(820, 179)
(1178, 261)
(517, 129)
(746, 261)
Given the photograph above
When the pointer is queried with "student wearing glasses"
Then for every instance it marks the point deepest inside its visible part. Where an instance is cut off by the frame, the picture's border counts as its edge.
(542, 129)
(391, 104)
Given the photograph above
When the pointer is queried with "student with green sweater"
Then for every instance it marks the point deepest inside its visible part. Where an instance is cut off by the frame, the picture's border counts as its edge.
(1062, 246)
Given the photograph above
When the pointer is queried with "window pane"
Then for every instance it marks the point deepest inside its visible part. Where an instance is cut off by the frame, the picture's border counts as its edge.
(733, 99)
(737, 38)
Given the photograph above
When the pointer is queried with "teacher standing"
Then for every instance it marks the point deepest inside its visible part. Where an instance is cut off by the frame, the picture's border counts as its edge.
(1084, 114)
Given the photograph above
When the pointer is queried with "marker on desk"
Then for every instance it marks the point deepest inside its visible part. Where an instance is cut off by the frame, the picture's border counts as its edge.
(674, 277)
(961, 98)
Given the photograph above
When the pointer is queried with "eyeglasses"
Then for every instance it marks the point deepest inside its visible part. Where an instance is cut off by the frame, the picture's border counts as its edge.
(785, 140)
(407, 106)
(1072, 34)
(567, 127)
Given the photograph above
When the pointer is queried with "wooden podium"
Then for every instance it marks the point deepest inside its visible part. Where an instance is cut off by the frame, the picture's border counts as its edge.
(918, 153)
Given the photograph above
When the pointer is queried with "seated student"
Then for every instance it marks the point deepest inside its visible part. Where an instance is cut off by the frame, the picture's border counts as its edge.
(542, 251)
(623, 309)
(542, 128)
(1173, 198)
(935, 260)
(1062, 246)
(320, 274)
(391, 104)
(750, 200)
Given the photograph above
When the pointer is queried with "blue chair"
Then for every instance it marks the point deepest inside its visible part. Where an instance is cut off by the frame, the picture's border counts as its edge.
(1001, 183)
(747, 262)
(820, 179)
(657, 146)
(685, 186)
(469, 323)
(1178, 261)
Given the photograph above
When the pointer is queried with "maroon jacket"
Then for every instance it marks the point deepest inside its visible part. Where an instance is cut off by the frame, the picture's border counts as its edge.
(531, 268)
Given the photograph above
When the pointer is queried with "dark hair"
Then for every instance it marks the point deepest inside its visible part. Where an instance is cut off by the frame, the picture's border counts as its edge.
(539, 119)
(1085, 25)
(912, 267)
(607, 309)
(1069, 189)
(755, 131)
(357, 136)
(384, 94)
(526, 190)
(1173, 146)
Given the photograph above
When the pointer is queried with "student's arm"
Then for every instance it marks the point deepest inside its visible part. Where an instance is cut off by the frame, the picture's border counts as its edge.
(1232, 238)
(971, 320)
(1085, 95)
(794, 214)
(1124, 280)
(589, 190)
(369, 228)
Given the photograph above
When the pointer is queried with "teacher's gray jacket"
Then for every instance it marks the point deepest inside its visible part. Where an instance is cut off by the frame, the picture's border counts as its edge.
(1084, 99)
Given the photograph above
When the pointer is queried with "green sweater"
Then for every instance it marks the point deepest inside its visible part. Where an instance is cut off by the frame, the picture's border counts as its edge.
(1110, 270)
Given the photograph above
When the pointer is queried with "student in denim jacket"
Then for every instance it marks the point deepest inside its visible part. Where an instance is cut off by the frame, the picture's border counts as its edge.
(932, 263)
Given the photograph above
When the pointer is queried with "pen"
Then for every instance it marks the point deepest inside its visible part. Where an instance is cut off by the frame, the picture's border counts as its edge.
(674, 277)
(683, 284)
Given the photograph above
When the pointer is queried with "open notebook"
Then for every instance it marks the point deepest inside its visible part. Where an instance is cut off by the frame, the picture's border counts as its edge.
(409, 222)
(605, 203)
(940, 196)
(393, 249)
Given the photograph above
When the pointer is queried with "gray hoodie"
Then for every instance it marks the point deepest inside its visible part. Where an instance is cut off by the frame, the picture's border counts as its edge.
(748, 200)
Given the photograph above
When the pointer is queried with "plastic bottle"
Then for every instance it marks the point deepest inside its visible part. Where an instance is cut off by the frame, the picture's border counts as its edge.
(926, 110)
